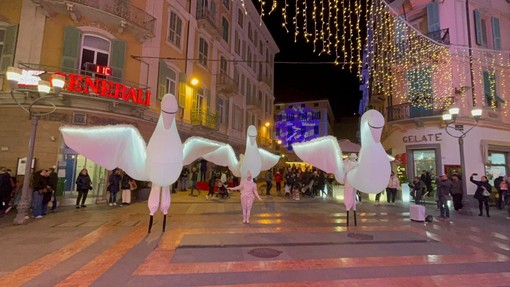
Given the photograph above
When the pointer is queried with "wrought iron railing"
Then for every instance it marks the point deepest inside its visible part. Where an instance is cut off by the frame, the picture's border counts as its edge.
(408, 111)
(442, 36)
(205, 14)
(203, 118)
(121, 9)
(226, 83)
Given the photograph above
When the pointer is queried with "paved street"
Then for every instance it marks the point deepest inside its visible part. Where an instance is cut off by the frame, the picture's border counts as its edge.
(288, 243)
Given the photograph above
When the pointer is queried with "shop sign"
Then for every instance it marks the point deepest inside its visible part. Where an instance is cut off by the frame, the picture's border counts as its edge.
(422, 138)
(104, 88)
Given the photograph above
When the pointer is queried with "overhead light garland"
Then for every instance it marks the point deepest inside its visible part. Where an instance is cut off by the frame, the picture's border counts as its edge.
(404, 64)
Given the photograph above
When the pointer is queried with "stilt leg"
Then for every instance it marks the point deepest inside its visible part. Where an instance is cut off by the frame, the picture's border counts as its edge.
(347, 217)
(165, 204)
(355, 223)
(150, 223)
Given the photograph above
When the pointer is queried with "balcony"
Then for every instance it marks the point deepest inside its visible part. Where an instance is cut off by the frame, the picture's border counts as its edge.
(442, 36)
(202, 118)
(207, 20)
(124, 16)
(252, 104)
(226, 85)
(407, 111)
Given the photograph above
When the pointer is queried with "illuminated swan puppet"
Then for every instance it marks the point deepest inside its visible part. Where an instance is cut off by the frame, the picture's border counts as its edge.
(369, 175)
(253, 161)
(160, 161)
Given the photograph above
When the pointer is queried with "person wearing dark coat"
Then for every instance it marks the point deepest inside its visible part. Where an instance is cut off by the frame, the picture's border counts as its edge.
(482, 193)
(418, 189)
(83, 185)
(114, 185)
(40, 187)
(52, 182)
(497, 182)
(456, 192)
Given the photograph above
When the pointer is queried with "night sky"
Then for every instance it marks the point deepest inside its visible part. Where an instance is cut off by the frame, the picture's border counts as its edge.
(295, 82)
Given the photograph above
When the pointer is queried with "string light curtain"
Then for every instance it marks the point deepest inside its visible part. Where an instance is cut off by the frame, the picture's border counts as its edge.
(405, 64)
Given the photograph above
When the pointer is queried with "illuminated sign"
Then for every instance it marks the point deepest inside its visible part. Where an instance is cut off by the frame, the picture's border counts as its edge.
(104, 88)
(98, 69)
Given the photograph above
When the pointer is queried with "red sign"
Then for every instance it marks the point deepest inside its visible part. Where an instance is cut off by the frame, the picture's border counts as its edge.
(104, 88)
(104, 70)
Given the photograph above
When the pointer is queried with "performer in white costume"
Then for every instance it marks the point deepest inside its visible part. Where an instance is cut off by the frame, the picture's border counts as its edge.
(249, 191)
(349, 191)
(373, 168)
(160, 161)
(254, 160)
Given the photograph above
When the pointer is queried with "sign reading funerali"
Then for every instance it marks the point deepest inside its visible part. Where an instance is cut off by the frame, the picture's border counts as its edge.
(422, 138)
(94, 86)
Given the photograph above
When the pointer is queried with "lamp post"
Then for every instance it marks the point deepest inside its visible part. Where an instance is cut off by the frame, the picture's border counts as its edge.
(450, 118)
(57, 81)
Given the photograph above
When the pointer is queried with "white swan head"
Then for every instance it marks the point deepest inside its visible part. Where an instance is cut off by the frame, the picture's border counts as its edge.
(372, 123)
(169, 109)
(252, 134)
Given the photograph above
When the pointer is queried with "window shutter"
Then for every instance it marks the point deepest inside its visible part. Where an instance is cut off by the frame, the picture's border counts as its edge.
(208, 99)
(433, 16)
(496, 34)
(226, 107)
(9, 48)
(71, 49)
(487, 88)
(182, 89)
(162, 80)
(118, 59)
(478, 27)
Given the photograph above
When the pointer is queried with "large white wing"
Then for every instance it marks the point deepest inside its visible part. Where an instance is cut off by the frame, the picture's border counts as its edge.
(323, 153)
(225, 156)
(110, 146)
(196, 147)
(268, 159)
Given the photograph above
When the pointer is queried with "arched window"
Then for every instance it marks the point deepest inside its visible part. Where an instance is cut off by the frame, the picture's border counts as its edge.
(94, 50)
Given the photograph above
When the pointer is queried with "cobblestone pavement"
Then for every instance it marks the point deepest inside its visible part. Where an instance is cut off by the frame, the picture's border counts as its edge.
(288, 243)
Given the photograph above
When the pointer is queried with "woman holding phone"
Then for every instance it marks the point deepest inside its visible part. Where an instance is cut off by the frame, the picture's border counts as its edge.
(482, 193)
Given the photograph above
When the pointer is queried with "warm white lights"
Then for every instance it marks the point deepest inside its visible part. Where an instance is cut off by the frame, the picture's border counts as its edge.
(13, 76)
(58, 81)
(476, 112)
(447, 117)
(44, 87)
(194, 81)
(454, 110)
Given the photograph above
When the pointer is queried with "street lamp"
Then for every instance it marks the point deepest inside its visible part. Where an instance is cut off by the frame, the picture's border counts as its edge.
(44, 87)
(450, 118)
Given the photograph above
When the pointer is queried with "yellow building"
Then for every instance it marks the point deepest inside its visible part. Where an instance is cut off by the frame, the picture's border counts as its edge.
(119, 58)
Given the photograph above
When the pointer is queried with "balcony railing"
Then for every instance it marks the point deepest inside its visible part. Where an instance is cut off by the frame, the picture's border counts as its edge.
(226, 84)
(407, 111)
(122, 9)
(205, 16)
(203, 118)
(442, 36)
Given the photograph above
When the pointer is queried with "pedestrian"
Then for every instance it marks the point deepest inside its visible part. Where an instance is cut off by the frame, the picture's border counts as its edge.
(52, 182)
(6, 189)
(278, 181)
(497, 185)
(184, 178)
(194, 178)
(482, 193)
(418, 189)
(249, 191)
(203, 169)
(126, 185)
(83, 185)
(444, 187)
(391, 190)
(456, 192)
(40, 187)
(114, 185)
(269, 182)
(212, 185)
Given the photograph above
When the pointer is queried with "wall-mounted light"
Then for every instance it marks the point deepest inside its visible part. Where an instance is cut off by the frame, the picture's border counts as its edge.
(194, 81)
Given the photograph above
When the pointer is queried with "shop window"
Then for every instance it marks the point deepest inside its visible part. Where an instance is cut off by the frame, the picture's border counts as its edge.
(496, 165)
(425, 160)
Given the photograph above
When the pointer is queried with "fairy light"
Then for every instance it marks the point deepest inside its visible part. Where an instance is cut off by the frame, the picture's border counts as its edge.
(273, 7)
(295, 21)
(284, 14)
(305, 21)
(315, 24)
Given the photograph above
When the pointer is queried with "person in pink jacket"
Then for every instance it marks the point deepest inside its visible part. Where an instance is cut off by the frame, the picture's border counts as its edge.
(249, 191)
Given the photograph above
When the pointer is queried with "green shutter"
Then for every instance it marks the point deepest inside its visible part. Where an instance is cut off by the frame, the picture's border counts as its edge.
(9, 48)
(182, 90)
(433, 16)
(162, 80)
(478, 28)
(496, 33)
(487, 88)
(118, 59)
(226, 105)
(71, 49)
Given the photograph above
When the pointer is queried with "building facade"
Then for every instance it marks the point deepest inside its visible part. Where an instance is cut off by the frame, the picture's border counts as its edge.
(469, 68)
(119, 59)
(302, 121)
